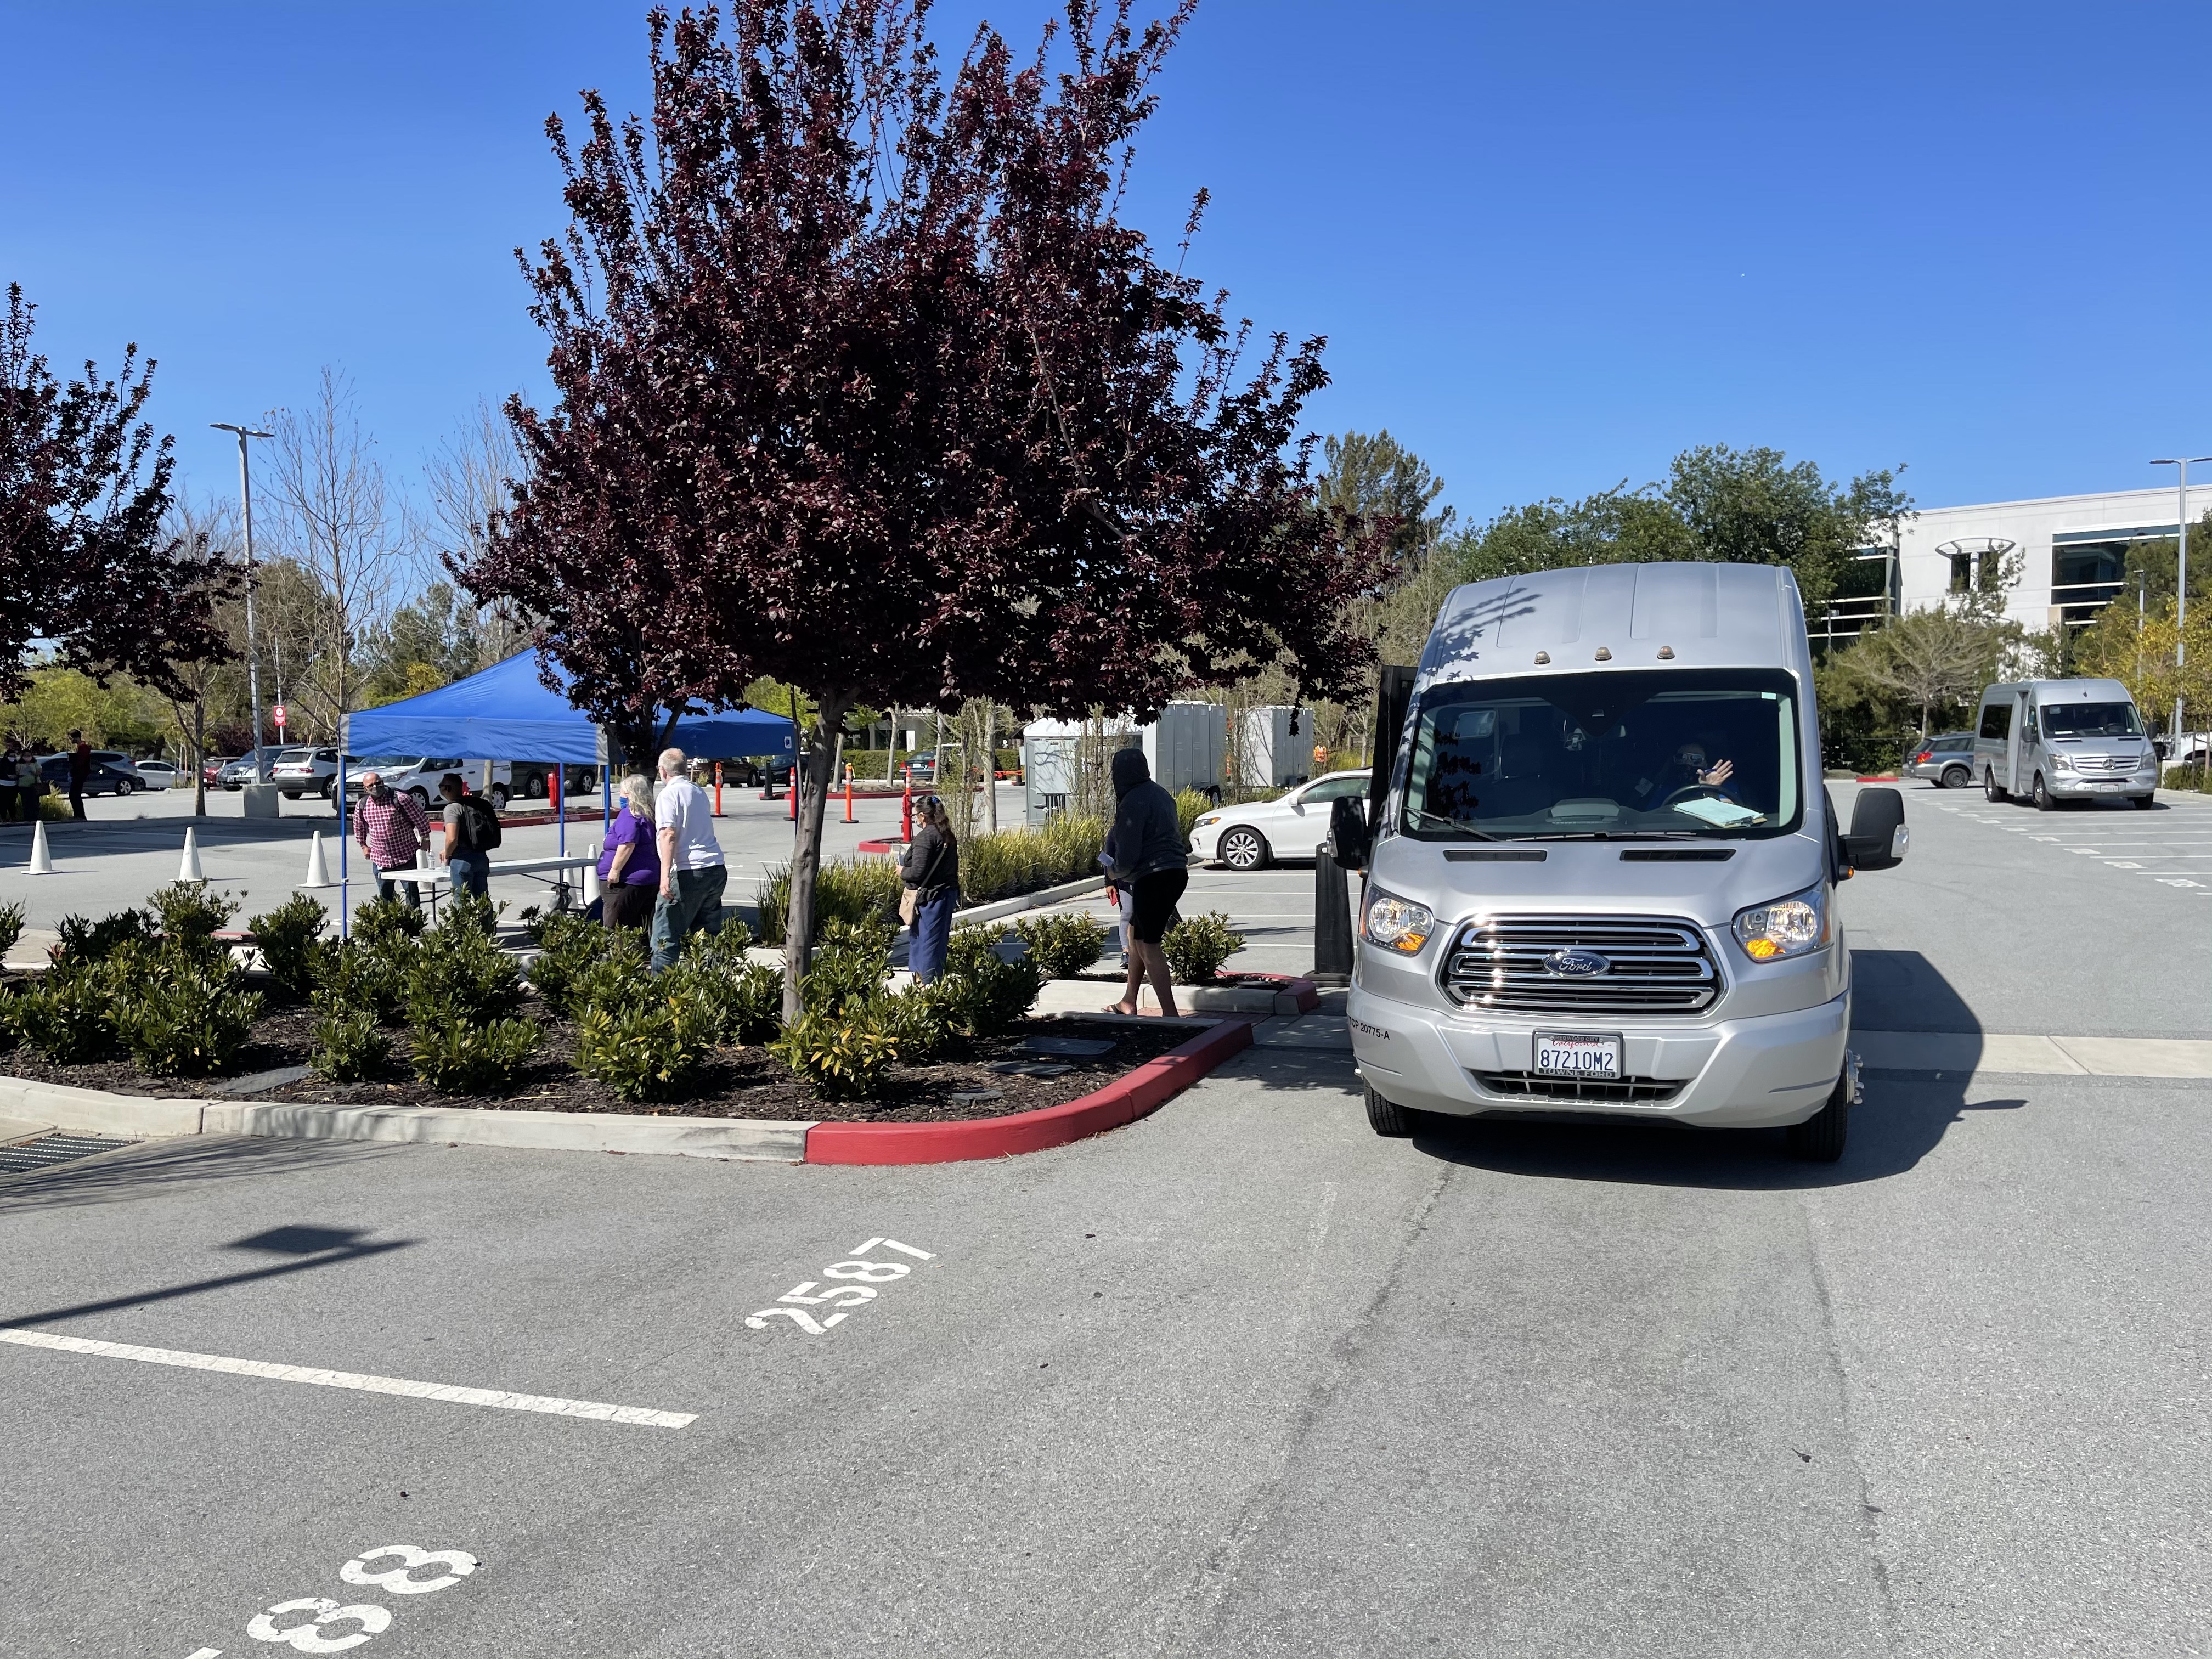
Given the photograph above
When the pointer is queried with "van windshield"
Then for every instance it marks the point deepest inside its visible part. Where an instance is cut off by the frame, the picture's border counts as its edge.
(2091, 720)
(1632, 756)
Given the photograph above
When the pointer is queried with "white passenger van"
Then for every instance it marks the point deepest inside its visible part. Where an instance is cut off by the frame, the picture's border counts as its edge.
(2057, 740)
(1603, 879)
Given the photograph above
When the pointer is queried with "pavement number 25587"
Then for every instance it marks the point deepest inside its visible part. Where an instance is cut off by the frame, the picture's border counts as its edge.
(316, 1623)
(855, 1286)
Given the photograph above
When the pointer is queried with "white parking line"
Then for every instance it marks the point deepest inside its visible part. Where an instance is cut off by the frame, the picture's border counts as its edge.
(399, 1385)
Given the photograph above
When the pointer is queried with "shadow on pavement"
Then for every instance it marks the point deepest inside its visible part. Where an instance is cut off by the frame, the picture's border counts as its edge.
(158, 1166)
(309, 1246)
(1902, 991)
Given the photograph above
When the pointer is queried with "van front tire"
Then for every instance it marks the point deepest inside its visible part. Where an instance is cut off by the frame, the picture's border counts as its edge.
(1386, 1119)
(1819, 1139)
(2042, 796)
(1990, 793)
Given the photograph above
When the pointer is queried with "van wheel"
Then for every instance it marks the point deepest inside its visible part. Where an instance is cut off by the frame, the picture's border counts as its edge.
(2146, 802)
(536, 786)
(1243, 850)
(1386, 1119)
(1990, 790)
(1956, 777)
(1819, 1139)
(499, 798)
(2041, 796)
(422, 797)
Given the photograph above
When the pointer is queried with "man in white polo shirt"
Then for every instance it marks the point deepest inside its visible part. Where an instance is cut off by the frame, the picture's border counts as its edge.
(692, 872)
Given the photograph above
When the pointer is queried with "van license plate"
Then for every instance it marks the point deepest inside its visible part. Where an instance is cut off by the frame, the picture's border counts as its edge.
(1593, 1057)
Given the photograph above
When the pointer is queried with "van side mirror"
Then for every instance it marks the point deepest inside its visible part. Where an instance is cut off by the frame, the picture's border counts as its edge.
(1347, 833)
(1878, 836)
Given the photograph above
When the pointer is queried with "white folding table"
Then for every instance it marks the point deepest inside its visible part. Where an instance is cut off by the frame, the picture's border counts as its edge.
(552, 872)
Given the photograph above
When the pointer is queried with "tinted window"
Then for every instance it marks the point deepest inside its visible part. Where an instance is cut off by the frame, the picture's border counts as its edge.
(1669, 752)
(2091, 720)
(1996, 720)
(1334, 789)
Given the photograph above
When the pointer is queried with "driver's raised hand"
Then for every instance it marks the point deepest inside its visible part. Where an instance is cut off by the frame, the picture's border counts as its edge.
(1720, 773)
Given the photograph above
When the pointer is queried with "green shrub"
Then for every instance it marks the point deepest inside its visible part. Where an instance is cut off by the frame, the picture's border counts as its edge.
(622, 978)
(293, 948)
(85, 942)
(349, 1047)
(11, 928)
(848, 967)
(386, 920)
(980, 996)
(568, 945)
(845, 1055)
(647, 1052)
(849, 890)
(368, 976)
(1023, 860)
(1197, 946)
(458, 1058)
(744, 999)
(920, 1020)
(1190, 806)
(189, 915)
(180, 1014)
(64, 1016)
(2195, 779)
(1061, 945)
(460, 972)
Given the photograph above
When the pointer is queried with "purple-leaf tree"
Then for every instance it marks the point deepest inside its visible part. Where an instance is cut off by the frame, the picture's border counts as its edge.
(863, 385)
(85, 563)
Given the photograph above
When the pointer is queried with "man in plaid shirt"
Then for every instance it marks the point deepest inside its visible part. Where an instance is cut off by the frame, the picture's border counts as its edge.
(392, 831)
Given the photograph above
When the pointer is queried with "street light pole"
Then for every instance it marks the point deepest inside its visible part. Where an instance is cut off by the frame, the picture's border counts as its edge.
(2181, 577)
(253, 657)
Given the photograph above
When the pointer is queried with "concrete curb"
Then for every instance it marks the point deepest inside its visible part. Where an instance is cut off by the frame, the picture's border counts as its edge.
(754, 1139)
(1138, 1094)
(94, 1111)
(1043, 897)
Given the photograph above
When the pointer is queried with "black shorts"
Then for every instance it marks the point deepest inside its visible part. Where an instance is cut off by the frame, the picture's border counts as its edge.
(1152, 900)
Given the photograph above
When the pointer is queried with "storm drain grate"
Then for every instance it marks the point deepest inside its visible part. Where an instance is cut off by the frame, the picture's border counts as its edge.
(50, 1149)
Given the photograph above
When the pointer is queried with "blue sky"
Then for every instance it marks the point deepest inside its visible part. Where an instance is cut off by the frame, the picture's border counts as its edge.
(1551, 244)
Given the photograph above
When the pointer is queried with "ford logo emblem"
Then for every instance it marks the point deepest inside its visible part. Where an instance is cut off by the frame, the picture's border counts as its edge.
(1575, 965)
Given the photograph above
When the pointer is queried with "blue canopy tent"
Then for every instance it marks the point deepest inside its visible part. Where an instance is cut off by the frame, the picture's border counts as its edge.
(506, 714)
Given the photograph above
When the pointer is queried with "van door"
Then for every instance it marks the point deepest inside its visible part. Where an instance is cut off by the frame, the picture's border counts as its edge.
(2030, 729)
(2018, 761)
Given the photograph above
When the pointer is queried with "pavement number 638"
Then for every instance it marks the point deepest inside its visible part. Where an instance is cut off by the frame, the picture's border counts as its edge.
(316, 1623)
(855, 1288)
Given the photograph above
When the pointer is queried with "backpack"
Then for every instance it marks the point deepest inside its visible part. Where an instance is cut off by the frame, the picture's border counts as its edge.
(478, 829)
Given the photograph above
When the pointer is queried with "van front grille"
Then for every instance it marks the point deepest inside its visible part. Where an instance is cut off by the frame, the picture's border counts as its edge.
(1569, 1092)
(1652, 965)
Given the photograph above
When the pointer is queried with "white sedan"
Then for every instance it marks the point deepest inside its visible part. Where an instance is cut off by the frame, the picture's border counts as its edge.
(158, 775)
(1294, 826)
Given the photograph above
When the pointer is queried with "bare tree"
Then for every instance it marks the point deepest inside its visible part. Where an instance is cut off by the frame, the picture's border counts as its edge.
(337, 519)
(471, 475)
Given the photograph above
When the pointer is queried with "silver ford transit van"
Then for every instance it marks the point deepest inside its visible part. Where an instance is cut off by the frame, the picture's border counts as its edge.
(1603, 879)
(2049, 741)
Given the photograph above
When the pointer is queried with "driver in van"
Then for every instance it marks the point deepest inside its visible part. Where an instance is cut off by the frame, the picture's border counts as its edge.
(1688, 769)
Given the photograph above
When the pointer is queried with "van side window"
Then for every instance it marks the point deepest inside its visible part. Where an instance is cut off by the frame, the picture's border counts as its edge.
(2029, 731)
(1997, 721)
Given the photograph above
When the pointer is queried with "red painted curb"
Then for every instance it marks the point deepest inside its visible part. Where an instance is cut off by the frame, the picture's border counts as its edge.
(1876, 777)
(1127, 1098)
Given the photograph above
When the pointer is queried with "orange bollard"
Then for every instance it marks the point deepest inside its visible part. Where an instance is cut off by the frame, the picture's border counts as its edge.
(718, 789)
(906, 811)
(849, 818)
(798, 771)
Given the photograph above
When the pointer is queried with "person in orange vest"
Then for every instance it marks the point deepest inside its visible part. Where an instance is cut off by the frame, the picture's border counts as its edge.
(1321, 757)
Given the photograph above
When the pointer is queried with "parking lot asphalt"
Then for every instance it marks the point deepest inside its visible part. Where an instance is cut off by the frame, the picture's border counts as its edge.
(1240, 1378)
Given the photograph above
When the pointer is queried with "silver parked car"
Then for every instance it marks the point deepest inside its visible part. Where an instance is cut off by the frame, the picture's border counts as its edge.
(1947, 759)
(1605, 878)
(1292, 826)
(2049, 741)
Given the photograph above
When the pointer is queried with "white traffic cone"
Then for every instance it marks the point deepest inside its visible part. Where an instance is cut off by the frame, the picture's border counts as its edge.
(592, 878)
(190, 869)
(318, 872)
(42, 861)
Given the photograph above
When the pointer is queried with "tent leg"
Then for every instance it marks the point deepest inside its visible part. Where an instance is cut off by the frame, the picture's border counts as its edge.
(345, 840)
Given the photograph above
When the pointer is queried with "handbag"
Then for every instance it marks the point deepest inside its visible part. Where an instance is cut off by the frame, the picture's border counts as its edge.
(910, 902)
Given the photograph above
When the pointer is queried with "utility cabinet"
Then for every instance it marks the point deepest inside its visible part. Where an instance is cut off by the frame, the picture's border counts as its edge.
(1269, 754)
(1187, 748)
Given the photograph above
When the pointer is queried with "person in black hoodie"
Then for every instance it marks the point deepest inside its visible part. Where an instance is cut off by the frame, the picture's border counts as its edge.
(1149, 862)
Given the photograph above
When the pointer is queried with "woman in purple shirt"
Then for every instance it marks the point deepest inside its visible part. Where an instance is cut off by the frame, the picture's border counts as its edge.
(630, 866)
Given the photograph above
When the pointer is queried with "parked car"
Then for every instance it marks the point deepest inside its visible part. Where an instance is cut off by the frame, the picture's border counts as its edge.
(103, 780)
(158, 775)
(237, 773)
(306, 772)
(1291, 826)
(211, 769)
(1948, 758)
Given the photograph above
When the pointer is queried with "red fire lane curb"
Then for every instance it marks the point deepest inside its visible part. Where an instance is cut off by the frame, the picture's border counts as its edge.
(1138, 1094)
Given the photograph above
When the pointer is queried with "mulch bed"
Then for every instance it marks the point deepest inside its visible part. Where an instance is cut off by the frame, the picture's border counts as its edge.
(734, 1083)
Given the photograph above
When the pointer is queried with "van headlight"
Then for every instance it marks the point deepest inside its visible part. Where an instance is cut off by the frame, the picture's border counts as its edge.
(1396, 924)
(1792, 927)
(2062, 762)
